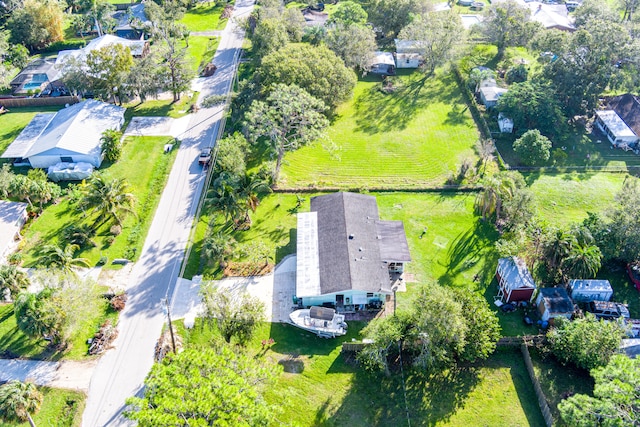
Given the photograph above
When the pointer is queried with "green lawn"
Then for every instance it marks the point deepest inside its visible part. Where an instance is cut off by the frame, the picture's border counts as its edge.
(201, 51)
(321, 388)
(205, 17)
(12, 123)
(60, 408)
(416, 136)
(146, 168)
(563, 199)
(160, 108)
(13, 343)
(559, 382)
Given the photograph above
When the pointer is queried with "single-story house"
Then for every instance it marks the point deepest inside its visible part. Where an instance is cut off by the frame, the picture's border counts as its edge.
(627, 107)
(617, 131)
(505, 123)
(590, 290)
(490, 92)
(550, 16)
(71, 135)
(515, 283)
(554, 302)
(13, 215)
(408, 54)
(131, 23)
(37, 76)
(347, 257)
(383, 63)
(138, 48)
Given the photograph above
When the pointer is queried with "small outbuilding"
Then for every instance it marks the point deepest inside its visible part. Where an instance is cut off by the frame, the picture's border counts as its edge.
(515, 283)
(408, 54)
(383, 63)
(590, 290)
(617, 132)
(490, 92)
(553, 303)
(505, 123)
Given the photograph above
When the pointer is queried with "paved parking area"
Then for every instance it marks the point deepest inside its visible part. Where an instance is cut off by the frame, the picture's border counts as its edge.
(157, 126)
(275, 290)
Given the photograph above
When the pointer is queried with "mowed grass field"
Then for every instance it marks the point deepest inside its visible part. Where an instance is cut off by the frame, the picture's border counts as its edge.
(317, 386)
(414, 137)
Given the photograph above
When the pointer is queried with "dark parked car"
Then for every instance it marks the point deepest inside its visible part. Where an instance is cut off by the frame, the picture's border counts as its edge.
(608, 310)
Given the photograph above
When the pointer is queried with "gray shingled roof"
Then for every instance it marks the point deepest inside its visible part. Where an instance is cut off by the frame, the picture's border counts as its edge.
(348, 244)
(392, 241)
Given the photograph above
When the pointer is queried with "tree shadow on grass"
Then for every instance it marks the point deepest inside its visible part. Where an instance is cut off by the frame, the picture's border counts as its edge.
(376, 400)
(377, 111)
(472, 249)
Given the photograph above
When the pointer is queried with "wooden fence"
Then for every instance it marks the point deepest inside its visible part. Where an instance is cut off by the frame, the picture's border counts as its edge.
(542, 400)
(38, 102)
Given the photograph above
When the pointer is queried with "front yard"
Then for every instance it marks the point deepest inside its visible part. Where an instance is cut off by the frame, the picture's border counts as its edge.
(145, 167)
(60, 408)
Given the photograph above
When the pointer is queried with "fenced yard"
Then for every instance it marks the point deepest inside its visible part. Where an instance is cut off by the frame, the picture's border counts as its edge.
(415, 136)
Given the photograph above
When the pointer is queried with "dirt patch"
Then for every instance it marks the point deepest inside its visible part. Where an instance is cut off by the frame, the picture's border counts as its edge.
(292, 364)
(117, 280)
(245, 269)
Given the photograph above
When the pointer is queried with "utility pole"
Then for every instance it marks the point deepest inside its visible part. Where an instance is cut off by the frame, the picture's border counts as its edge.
(167, 311)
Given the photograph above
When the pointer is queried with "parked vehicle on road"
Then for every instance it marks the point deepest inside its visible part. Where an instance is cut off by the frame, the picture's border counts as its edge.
(205, 157)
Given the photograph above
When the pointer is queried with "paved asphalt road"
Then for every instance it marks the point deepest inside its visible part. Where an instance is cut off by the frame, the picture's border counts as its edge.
(121, 371)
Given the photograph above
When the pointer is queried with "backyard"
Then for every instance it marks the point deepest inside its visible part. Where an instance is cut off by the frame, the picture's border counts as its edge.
(415, 136)
(318, 386)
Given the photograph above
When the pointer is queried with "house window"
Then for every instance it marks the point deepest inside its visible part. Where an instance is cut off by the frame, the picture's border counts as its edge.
(369, 294)
(66, 159)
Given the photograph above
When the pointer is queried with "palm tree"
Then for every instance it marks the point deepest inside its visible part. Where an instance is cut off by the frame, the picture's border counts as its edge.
(224, 198)
(497, 189)
(109, 199)
(558, 249)
(248, 188)
(583, 261)
(478, 75)
(18, 401)
(62, 258)
(12, 279)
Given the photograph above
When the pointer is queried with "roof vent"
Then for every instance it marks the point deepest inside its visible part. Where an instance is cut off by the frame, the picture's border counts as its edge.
(361, 249)
(351, 236)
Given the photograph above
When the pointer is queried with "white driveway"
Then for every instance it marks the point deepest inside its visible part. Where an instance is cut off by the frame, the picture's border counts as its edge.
(157, 126)
(275, 290)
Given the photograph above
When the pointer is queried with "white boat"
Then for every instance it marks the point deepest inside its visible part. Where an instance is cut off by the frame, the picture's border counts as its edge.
(324, 322)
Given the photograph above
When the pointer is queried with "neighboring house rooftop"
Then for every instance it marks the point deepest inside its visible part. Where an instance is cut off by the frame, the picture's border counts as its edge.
(137, 48)
(615, 124)
(342, 245)
(134, 18)
(492, 93)
(591, 285)
(77, 128)
(36, 72)
(407, 46)
(469, 21)
(550, 16)
(627, 107)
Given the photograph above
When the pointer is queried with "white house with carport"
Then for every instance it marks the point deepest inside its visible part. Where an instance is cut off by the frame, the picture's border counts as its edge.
(347, 257)
(618, 133)
(71, 135)
(582, 290)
